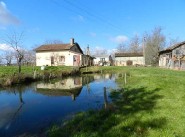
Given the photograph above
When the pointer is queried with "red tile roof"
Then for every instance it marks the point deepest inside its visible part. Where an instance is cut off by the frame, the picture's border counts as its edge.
(169, 49)
(54, 47)
(128, 54)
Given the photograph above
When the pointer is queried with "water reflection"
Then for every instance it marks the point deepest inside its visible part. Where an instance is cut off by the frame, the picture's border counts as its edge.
(66, 87)
(9, 113)
(31, 109)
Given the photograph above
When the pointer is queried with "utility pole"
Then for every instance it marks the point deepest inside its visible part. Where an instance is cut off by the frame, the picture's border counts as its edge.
(88, 52)
(87, 56)
(144, 56)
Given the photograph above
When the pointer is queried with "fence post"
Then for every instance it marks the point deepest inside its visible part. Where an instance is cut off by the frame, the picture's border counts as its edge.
(105, 98)
(34, 74)
(125, 78)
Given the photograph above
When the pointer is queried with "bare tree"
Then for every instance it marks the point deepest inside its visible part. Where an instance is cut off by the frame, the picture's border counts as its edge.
(29, 57)
(134, 45)
(14, 40)
(8, 56)
(100, 51)
(154, 43)
(173, 41)
(122, 47)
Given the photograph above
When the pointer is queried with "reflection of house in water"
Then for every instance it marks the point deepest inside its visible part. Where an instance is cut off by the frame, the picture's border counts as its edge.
(87, 79)
(65, 87)
(104, 76)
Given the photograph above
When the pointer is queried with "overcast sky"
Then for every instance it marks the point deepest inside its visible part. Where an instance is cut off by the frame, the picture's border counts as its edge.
(97, 23)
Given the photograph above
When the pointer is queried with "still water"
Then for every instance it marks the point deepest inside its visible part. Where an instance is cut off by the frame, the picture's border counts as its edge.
(32, 109)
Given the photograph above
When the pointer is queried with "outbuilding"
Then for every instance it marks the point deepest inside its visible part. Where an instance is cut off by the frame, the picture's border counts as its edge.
(173, 57)
(128, 59)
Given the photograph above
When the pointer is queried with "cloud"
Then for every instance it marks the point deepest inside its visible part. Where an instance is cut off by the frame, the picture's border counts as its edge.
(33, 30)
(5, 47)
(6, 18)
(99, 48)
(92, 34)
(112, 51)
(119, 39)
(78, 18)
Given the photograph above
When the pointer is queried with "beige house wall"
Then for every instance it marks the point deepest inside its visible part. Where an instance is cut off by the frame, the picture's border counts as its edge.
(69, 83)
(44, 58)
(122, 61)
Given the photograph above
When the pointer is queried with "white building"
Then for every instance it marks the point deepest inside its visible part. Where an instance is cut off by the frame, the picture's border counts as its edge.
(59, 54)
(101, 60)
(127, 59)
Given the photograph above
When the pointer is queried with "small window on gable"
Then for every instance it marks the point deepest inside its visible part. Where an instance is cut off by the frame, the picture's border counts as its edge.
(62, 59)
(177, 51)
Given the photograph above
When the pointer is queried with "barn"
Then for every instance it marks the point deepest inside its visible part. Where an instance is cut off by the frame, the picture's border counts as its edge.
(173, 57)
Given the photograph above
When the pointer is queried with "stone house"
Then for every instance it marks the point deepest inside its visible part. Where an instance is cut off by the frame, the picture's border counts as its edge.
(69, 54)
(173, 57)
(127, 59)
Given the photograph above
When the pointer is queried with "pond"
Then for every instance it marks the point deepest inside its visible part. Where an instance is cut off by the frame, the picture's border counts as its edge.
(32, 109)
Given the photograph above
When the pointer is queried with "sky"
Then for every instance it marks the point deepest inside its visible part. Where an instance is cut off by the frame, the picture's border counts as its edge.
(101, 24)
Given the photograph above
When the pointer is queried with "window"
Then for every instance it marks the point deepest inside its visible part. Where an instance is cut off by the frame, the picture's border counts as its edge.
(62, 59)
(52, 60)
(177, 51)
(102, 59)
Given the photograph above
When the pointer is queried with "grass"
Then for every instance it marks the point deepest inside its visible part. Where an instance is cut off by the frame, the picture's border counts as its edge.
(9, 74)
(10, 70)
(151, 104)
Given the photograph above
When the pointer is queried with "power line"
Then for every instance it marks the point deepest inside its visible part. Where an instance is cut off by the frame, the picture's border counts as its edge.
(91, 14)
(84, 11)
(67, 8)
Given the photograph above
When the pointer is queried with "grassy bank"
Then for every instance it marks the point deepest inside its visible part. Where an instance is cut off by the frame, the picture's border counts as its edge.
(9, 74)
(151, 104)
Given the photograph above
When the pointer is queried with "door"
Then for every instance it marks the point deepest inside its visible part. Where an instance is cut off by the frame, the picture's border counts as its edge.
(129, 63)
(76, 60)
(52, 60)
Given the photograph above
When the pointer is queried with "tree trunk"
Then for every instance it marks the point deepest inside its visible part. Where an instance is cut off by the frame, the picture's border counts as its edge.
(19, 63)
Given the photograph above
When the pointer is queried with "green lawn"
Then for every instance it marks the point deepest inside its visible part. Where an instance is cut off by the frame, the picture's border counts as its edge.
(10, 70)
(151, 104)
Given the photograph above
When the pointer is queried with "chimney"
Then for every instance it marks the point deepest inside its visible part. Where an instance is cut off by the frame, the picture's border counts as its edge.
(72, 41)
